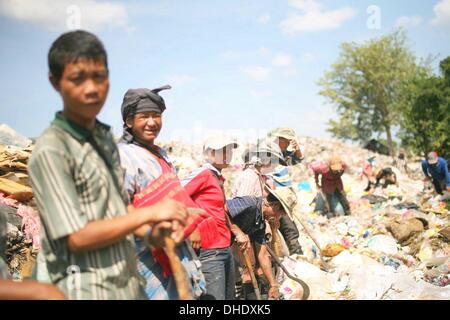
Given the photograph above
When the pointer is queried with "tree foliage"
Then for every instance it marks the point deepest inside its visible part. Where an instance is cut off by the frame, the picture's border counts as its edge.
(426, 120)
(367, 86)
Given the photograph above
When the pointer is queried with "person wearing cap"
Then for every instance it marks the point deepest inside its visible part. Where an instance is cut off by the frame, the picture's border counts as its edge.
(286, 138)
(248, 215)
(293, 154)
(144, 162)
(331, 183)
(266, 164)
(259, 160)
(205, 186)
(435, 169)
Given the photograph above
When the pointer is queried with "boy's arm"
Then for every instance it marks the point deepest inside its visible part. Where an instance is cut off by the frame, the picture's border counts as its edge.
(316, 178)
(425, 170)
(28, 290)
(59, 207)
(266, 266)
(242, 239)
(102, 233)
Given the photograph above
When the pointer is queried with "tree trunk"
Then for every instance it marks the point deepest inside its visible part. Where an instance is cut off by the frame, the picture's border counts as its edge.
(389, 139)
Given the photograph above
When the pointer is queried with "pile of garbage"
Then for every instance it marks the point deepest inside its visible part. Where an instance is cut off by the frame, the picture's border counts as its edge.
(17, 204)
(395, 245)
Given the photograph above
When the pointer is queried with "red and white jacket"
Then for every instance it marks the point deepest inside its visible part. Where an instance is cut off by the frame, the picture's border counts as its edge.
(204, 189)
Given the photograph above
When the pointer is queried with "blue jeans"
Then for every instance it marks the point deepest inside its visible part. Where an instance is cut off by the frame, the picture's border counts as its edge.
(218, 269)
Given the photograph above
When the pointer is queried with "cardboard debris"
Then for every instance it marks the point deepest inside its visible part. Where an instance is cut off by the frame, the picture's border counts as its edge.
(15, 190)
(446, 233)
(18, 177)
(13, 159)
(403, 230)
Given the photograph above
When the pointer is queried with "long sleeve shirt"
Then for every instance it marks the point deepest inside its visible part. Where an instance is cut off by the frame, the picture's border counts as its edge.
(439, 172)
(204, 189)
(329, 182)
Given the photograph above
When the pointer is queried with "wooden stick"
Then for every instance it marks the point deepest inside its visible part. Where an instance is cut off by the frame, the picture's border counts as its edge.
(275, 238)
(324, 264)
(179, 272)
(251, 271)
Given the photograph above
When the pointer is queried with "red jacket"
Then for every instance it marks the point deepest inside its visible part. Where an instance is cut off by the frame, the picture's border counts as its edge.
(204, 189)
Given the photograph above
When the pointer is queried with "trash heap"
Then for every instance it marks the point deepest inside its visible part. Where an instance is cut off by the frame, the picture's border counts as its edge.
(184, 157)
(395, 245)
(17, 204)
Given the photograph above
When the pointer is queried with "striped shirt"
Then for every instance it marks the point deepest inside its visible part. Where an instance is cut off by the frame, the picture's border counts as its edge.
(248, 183)
(141, 168)
(74, 185)
(246, 213)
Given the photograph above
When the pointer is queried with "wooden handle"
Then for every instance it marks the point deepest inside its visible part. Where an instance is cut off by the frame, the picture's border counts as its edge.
(249, 265)
(275, 239)
(179, 272)
(324, 264)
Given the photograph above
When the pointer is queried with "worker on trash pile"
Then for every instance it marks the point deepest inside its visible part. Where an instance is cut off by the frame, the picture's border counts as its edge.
(205, 187)
(77, 181)
(286, 138)
(266, 164)
(259, 161)
(293, 154)
(146, 164)
(402, 161)
(331, 183)
(387, 176)
(247, 217)
(368, 172)
(435, 169)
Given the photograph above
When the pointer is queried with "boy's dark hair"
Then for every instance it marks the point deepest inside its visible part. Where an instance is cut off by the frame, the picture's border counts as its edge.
(72, 46)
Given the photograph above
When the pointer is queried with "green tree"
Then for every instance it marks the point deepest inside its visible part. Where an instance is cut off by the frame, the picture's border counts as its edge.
(367, 84)
(425, 122)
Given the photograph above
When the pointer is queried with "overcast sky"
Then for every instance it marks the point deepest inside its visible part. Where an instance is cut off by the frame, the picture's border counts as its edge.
(242, 66)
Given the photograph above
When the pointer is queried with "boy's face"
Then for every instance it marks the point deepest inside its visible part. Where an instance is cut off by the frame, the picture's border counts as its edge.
(145, 126)
(272, 209)
(83, 87)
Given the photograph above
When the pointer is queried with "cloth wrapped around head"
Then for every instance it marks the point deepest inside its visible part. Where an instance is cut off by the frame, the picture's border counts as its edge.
(141, 100)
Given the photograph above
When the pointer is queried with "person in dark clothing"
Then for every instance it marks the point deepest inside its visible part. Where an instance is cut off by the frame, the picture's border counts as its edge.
(247, 215)
(388, 176)
(436, 170)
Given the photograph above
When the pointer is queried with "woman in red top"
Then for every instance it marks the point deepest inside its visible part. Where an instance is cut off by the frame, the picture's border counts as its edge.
(331, 183)
(205, 187)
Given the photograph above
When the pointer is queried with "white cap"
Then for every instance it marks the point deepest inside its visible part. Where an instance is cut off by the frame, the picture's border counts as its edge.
(219, 141)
